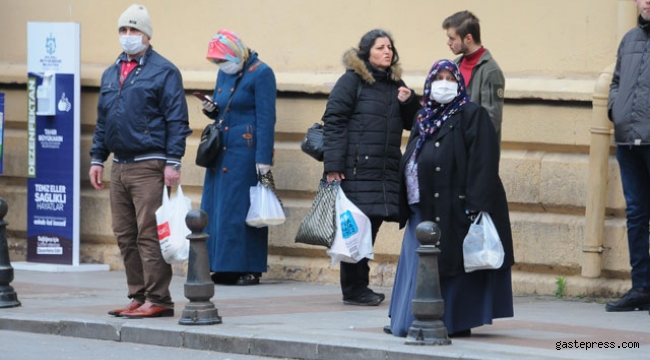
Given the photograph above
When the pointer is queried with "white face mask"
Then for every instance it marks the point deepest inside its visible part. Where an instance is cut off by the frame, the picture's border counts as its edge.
(132, 44)
(443, 91)
(230, 67)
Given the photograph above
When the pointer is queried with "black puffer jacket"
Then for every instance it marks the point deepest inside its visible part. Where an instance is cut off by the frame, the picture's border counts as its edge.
(363, 135)
(629, 95)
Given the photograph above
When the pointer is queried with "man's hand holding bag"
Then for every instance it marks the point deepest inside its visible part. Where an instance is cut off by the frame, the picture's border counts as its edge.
(172, 228)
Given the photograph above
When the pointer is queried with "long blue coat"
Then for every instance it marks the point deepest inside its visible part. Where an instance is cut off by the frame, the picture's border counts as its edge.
(247, 138)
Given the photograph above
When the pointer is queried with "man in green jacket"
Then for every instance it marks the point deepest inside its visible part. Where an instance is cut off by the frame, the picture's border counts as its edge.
(483, 77)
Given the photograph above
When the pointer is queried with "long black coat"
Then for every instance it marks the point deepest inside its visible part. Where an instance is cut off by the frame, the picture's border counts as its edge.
(458, 170)
(363, 135)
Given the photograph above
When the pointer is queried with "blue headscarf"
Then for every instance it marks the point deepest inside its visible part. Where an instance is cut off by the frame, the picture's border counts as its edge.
(433, 115)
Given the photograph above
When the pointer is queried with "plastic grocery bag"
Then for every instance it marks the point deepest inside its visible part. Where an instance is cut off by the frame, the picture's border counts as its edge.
(319, 225)
(265, 207)
(353, 239)
(482, 248)
(172, 229)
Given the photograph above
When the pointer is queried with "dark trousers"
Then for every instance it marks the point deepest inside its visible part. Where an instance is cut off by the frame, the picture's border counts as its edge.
(355, 277)
(634, 163)
(136, 193)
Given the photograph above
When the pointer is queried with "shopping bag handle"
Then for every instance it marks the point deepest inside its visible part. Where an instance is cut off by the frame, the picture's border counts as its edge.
(179, 192)
(165, 195)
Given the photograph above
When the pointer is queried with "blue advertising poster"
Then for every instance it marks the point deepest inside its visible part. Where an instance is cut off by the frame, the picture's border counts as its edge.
(53, 88)
(51, 189)
(2, 130)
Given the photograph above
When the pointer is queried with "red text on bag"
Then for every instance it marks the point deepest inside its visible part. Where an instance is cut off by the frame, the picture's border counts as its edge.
(163, 231)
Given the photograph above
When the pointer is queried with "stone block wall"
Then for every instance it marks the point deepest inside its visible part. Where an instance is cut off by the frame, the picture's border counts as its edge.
(544, 168)
(546, 138)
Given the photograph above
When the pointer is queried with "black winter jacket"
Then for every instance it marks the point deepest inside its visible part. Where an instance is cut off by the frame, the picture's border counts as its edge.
(629, 96)
(363, 135)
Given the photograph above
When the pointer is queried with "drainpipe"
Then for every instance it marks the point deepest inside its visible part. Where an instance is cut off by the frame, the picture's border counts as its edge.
(601, 132)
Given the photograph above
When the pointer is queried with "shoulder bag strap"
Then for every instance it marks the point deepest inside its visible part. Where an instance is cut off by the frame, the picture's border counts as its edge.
(230, 99)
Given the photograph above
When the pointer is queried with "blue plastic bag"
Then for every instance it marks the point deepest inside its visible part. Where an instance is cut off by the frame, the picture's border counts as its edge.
(353, 239)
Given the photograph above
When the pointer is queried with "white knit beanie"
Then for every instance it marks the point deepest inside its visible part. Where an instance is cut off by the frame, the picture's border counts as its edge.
(137, 17)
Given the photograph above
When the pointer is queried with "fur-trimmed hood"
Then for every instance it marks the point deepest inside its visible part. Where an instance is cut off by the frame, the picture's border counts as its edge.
(352, 61)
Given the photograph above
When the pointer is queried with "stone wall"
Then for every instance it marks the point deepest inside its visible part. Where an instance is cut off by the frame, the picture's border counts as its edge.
(551, 61)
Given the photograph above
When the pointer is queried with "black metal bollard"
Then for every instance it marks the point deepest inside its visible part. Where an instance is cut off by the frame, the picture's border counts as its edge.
(427, 304)
(8, 297)
(199, 288)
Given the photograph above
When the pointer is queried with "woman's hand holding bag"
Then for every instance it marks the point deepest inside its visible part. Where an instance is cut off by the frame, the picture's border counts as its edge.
(482, 248)
(319, 226)
(353, 240)
(265, 209)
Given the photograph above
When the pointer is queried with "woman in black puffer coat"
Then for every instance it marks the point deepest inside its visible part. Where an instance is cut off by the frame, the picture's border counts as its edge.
(367, 111)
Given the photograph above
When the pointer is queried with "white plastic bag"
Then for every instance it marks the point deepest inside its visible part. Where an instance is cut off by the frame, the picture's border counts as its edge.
(353, 240)
(482, 248)
(265, 208)
(172, 229)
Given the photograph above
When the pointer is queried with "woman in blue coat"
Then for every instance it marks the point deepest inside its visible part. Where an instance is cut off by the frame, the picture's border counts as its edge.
(244, 103)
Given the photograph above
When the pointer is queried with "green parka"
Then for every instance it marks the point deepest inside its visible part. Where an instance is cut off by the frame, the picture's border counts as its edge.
(486, 88)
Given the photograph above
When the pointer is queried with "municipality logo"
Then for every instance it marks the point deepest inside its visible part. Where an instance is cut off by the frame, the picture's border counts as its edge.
(50, 44)
(50, 61)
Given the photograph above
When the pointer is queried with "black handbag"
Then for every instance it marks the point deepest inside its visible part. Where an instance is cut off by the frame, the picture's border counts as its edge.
(319, 226)
(312, 144)
(210, 145)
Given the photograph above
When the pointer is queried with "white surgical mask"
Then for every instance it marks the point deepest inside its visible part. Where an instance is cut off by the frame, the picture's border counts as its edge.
(443, 91)
(132, 44)
(230, 67)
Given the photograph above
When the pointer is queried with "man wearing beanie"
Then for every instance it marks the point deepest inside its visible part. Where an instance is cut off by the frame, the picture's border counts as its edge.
(142, 120)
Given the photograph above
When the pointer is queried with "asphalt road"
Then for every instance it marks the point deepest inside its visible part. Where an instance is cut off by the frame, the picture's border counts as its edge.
(16, 345)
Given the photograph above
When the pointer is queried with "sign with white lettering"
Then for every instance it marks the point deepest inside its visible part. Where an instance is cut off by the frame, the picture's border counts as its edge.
(53, 142)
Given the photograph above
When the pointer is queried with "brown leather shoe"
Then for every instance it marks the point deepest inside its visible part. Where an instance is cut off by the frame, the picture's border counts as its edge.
(148, 310)
(132, 306)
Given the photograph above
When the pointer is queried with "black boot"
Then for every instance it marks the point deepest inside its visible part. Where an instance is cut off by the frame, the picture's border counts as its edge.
(366, 298)
(636, 298)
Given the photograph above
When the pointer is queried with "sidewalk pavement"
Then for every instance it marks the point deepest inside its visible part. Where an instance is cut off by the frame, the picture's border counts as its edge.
(300, 320)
